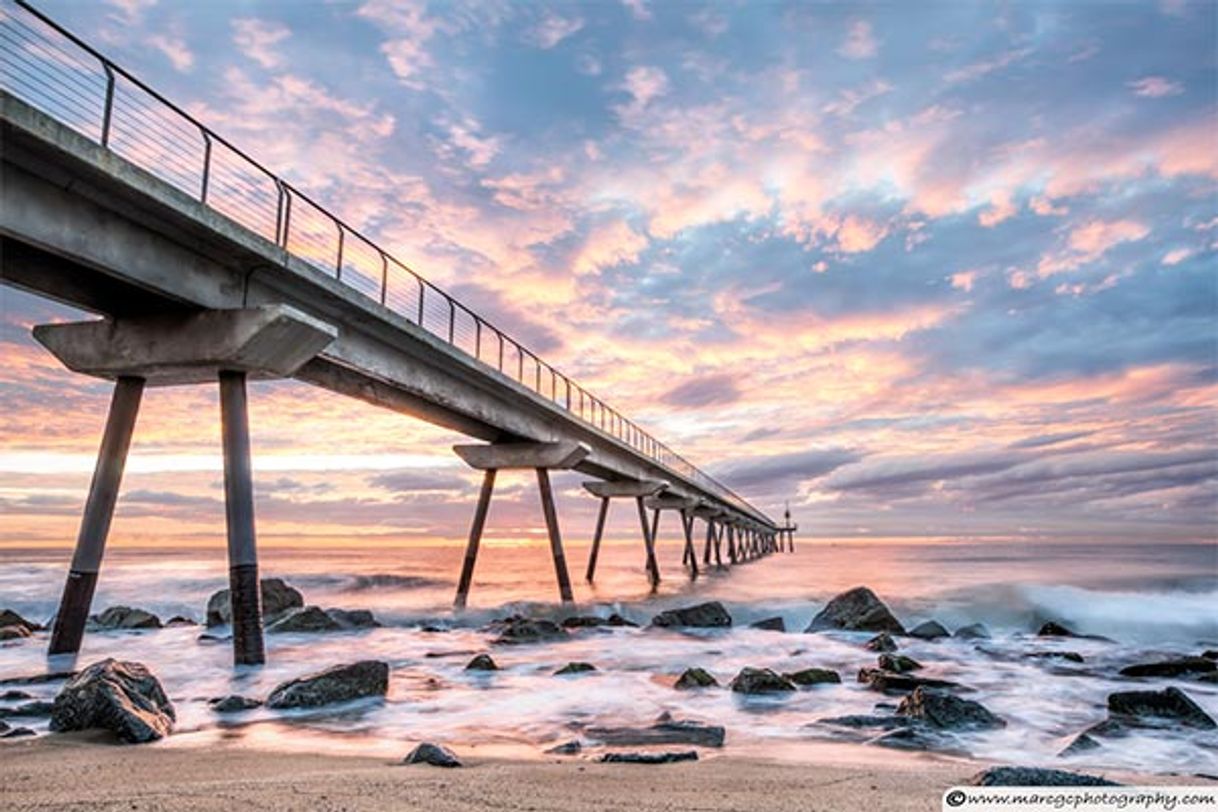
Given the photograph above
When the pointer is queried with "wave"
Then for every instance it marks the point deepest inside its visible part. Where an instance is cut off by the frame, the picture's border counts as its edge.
(385, 580)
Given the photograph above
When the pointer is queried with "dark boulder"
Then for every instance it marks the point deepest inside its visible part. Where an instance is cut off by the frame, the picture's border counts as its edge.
(1072, 656)
(341, 683)
(1209, 654)
(709, 615)
(233, 703)
(1168, 707)
(124, 617)
(123, 697)
(814, 676)
(15, 732)
(857, 610)
(898, 663)
(648, 758)
(908, 738)
(1171, 668)
(520, 630)
(617, 620)
(15, 632)
(1082, 743)
(571, 748)
(1036, 777)
(864, 720)
(575, 668)
(179, 620)
(433, 754)
(879, 680)
(973, 631)
(353, 618)
(942, 710)
(666, 731)
(584, 622)
(1052, 629)
(38, 679)
(770, 624)
(483, 662)
(37, 707)
(693, 678)
(882, 642)
(760, 681)
(277, 597)
(13, 695)
(10, 618)
(306, 619)
(929, 630)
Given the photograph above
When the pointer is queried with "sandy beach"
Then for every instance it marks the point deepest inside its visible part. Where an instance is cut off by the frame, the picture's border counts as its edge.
(83, 771)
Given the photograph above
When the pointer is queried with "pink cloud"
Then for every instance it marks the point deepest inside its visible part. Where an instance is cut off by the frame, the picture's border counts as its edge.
(258, 39)
(860, 42)
(607, 246)
(1155, 87)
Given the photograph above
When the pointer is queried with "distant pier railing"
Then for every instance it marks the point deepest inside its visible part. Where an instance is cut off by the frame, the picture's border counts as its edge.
(56, 71)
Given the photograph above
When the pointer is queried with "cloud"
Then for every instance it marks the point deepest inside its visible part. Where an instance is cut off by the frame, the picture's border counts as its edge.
(553, 29)
(174, 48)
(779, 471)
(860, 42)
(1155, 87)
(607, 246)
(709, 390)
(638, 9)
(258, 39)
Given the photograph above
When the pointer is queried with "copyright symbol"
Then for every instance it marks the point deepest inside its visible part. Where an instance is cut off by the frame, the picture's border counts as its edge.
(955, 798)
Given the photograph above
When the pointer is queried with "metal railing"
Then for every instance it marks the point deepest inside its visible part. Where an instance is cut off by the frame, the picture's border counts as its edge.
(54, 70)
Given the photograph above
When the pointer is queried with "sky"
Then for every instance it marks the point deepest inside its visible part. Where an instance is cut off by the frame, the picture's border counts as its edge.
(936, 270)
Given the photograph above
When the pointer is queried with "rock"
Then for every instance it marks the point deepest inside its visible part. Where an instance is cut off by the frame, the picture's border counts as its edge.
(1210, 654)
(648, 758)
(15, 695)
(863, 720)
(13, 733)
(693, 678)
(520, 630)
(433, 754)
(277, 598)
(882, 642)
(1157, 709)
(710, 615)
(341, 683)
(9, 619)
(770, 624)
(1036, 777)
(973, 631)
(886, 681)
(666, 731)
(1072, 656)
(124, 697)
(179, 620)
(35, 679)
(35, 708)
(617, 620)
(571, 748)
(856, 610)
(124, 617)
(353, 618)
(482, 662)
(584, 622)
(233, 703)
(814, 676)
(14, 633)
(1052, 629)
(760, 681)
(898, 663)
(1081, 743)
(306, 619)
(1211, 677)
(929, 630)
(575, 668)
(942, 710)
(906, 738)
(1171, 668)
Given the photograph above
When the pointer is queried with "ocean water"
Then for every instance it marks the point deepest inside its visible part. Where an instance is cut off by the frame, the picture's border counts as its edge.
(1153, 601)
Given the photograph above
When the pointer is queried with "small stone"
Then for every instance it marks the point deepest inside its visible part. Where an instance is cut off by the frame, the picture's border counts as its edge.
(973, 631)
(575, 668)
(306, 619)
(693, 678)
(898, 663)
(710, 615)
(770, 624)
(864, 720)
(35, 708)
(17, 732)
(9, 618)
(353, 618)
(14, 633)
(1052, 629)
(124, 617)
(584, 622)
(1171, 668)
(179, 620)
(665, 731)
(522, 630)
(1156, 708)
(1072, 656)
(1036, 777)
(882, 642)
(856, 610)
(341, 683)
(433, 754)
(942, 710)
(571, 748)
(619, 621)
(648, 758)
(879, 680)
(482, 662)
(15, 695)
(1210, 654)
(905, 738)
(233, 703)
(814, 676)
(760, 681)
(1081, 743)
(929, 630)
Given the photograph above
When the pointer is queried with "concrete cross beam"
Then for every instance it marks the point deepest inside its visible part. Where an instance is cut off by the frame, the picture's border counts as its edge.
(671, 501)
(559, 456)
(626, 488)
(272, 341)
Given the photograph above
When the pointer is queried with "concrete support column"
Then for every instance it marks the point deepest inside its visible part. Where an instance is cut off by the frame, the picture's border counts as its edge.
(596, 538)
(551, 516)
(731, 544)
(719, 546)
(95, 524)
(649, 541)
(710, 538)
(475, 538)
(244, 591)
(690, 558)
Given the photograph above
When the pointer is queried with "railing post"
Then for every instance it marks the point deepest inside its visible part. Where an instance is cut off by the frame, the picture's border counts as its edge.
(338, 266)
(384, 278)
(207, 170)
(108, 109)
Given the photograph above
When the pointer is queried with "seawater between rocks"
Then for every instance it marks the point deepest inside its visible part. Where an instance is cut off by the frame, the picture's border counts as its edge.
(1154, 601)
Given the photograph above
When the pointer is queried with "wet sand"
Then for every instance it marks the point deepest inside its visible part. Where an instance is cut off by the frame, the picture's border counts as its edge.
(81, 771)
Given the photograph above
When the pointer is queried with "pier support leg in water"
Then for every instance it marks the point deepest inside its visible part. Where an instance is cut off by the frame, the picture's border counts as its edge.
(244, 591)
(542, 458)
(690, 558)
(632, 489)
(732, 555)
(710, 539)
(77, 598)
(649, 541)
(596, 539)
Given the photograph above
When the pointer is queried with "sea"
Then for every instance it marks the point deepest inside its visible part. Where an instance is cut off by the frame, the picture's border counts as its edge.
(1152, 602)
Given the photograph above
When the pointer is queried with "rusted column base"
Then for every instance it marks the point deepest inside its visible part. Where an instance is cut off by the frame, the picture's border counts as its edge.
(245, 599)
(74, 606)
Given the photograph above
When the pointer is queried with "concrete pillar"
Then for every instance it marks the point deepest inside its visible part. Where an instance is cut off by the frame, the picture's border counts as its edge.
(719, 546)
(551, 515)
(731, 544)
(710, 538)
(475, 538)
(95, 524)
(244, 591)
(649, 542)
(596, 537)
(690, 557)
